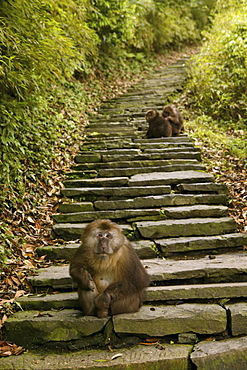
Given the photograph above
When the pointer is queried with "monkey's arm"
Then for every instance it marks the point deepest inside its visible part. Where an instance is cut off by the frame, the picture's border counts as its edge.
(81, 276)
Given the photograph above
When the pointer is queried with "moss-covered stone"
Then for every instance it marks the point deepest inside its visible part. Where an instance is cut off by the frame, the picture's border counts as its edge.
(227, 354)
(167, 320)
(187, 227)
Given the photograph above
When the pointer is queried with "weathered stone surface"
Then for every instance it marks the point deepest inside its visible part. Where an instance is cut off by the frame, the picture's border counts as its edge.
(76, 207)
(167, 320)
(70, 231)
(197, 291)
(186, 244)
(115, 181)
(116, 192)
(116, 214)
(64, 251)
(134, 164)
(143, 248)
(229, 354)
(89, 157)
(186, 227)
(169, 178)
(223, 268)
(50, 326)
(166, 154)
(195, 211)
(207, 187)
(238, 312)
(160, 201)
(42, 302)
(142, 170)
(177, 139)
(172, 357)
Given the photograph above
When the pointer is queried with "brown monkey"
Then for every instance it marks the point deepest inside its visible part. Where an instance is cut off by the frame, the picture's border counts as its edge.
(109, 275)
(158, 125)
(172, 113)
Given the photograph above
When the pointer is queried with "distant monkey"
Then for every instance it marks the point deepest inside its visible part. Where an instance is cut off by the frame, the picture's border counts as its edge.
(109, 275)
(172, 113)
(158, 125)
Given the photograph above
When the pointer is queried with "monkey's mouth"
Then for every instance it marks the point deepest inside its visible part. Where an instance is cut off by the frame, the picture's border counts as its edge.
(102, 254)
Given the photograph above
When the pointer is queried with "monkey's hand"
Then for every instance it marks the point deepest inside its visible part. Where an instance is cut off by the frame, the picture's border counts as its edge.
(102, 303)
(83, 279)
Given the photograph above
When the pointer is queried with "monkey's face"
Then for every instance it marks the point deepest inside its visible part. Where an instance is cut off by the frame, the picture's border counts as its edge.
(104, 238)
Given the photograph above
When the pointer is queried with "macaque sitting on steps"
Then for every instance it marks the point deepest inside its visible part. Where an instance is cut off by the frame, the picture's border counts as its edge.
(158, 125)
(172, 114)
(109, 275)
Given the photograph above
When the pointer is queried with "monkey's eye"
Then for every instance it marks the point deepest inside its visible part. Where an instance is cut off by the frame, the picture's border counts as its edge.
(100, 235)
(108, 236)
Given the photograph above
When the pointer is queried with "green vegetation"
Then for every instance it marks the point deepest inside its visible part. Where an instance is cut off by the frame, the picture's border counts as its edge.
(217, 82)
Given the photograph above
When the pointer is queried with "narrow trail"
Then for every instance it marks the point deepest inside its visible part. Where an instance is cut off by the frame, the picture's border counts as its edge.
(177, 219)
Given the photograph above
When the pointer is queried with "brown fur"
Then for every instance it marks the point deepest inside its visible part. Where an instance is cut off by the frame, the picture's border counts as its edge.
(171, 113)
(158, 125)
(109, 275)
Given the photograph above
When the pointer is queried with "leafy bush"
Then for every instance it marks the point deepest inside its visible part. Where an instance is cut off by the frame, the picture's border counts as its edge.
(218, 74)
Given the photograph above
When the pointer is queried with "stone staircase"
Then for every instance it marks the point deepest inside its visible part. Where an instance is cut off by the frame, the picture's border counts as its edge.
(195, 314)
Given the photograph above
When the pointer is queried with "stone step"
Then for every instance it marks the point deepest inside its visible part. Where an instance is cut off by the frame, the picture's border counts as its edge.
(230, 267)
(72, 213)
(185, 227)
(106, 182)
(172, 356)
(168, 200)
(143, 248)
(166, 247)
(143, 179)
(69, 231)
(111, 192)
(133, 164)
(135, 155)
(69, 325)
(165, 294)
(200, 243)
(158, 229)
(119, 172)
(169, 178)
(207, 187)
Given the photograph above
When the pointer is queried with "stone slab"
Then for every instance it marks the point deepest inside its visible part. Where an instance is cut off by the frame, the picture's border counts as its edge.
(113, 215)
(186, 227)
(169, 154)
(155, 201)
(117, 172)
(131, 164)
(197, 291)
(170, 178)
(116, 191)
(50, 326)
(207, 187)
(238, 312)
(229, 354)
(200, 243)
(171, 357)
(195, 211)
(46, 302)
(223, 268)
(69, 231)
(115, 181)
(76, 207)
(143, 248)
(167, 320)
